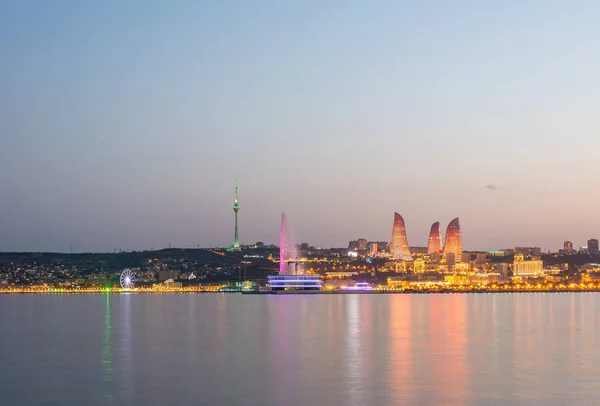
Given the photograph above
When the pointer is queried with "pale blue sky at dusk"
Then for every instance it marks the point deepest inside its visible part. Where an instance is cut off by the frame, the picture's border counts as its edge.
(123, 124)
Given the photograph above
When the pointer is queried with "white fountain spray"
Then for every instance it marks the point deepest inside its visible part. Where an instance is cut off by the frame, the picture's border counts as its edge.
(288, 253)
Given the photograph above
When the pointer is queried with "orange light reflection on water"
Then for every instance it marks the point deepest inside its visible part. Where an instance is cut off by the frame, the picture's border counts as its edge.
(441, 323)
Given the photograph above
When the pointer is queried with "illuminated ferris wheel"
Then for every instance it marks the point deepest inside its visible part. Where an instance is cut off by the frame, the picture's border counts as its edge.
(127, 279)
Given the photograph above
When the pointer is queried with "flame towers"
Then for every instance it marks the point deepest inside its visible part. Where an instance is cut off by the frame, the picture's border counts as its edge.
(453, 241)
(399, 246)
(452, 250)
(434, 245)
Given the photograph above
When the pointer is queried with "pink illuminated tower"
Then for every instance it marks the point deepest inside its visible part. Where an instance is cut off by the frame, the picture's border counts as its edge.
(399, 247)
(453, 241)
(434, 244)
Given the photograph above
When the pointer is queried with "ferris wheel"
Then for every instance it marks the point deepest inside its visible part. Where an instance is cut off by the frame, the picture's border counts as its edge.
(127, 279)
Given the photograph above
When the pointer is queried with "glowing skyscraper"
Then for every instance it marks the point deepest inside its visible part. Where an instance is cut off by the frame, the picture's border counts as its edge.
(453, 241)
(399, 247)
(435, 240)
(236, 208)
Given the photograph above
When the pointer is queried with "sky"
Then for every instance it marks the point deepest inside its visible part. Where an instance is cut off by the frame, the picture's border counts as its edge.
(124, 124)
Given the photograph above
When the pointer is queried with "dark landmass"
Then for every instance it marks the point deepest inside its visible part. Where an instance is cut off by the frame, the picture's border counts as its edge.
(213, 266)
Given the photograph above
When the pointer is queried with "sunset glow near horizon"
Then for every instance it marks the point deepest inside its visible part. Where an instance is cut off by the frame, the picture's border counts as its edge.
(123, 125)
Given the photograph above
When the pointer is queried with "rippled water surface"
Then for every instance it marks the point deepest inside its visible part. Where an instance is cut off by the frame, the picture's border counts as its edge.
(228, 349)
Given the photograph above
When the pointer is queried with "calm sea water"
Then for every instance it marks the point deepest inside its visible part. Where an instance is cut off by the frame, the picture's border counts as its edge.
(228, 349)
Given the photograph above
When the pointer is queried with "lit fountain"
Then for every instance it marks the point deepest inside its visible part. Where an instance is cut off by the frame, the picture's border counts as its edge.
(289, 277)
(288, 252)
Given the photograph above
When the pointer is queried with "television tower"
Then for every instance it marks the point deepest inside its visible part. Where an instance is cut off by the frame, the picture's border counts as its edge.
(236, 208)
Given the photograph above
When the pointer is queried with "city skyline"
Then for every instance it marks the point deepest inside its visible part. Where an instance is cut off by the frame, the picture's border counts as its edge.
(123, 129)
(401, 248)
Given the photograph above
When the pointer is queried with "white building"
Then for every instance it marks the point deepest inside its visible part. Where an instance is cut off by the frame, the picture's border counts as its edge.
(528, 268)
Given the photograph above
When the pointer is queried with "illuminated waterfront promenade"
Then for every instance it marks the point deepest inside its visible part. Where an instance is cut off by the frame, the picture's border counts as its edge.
(52, 290)
(415, 289)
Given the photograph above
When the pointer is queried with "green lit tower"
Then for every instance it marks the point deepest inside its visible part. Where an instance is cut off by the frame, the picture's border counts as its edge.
(236, 208)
